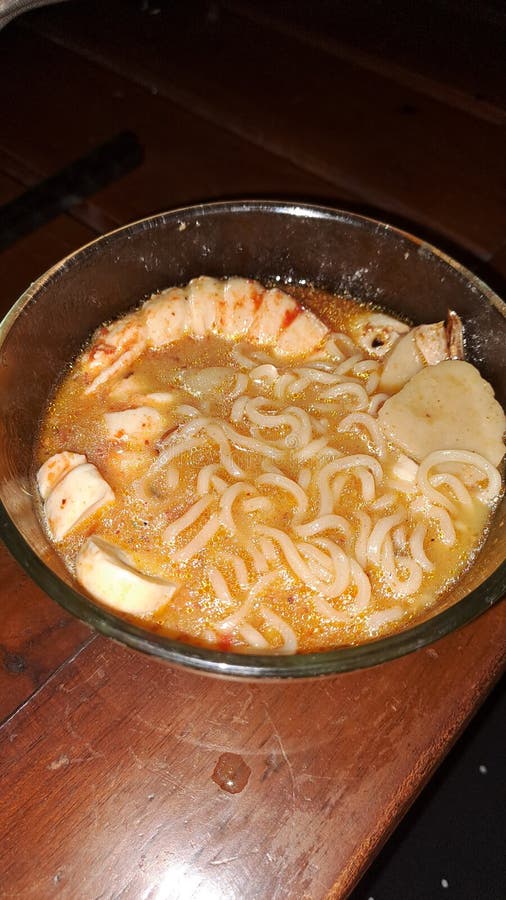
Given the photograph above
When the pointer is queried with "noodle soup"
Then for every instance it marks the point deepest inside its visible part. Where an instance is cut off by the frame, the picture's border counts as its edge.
(229, 470)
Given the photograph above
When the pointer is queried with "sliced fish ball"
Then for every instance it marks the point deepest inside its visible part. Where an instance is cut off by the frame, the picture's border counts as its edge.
(445, 407)
(204, 295)
(78, 495)
(166, 317)
(304, 334)
(425, 345)
(142, 423)
(108, 573)
(403, 361)
(55, 468)
(276, 311)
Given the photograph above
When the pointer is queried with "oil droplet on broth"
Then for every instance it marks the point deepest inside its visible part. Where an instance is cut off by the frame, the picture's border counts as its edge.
(231, 773)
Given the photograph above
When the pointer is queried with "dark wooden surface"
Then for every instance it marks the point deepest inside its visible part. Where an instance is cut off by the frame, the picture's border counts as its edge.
(108, 756)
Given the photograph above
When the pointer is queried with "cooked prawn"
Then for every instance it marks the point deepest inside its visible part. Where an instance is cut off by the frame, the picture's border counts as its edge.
(229, 308)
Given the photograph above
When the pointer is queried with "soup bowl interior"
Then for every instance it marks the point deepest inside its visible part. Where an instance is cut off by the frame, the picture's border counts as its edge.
(340, 252)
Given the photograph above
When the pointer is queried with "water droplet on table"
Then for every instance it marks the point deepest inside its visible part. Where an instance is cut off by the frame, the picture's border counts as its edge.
(231, 773)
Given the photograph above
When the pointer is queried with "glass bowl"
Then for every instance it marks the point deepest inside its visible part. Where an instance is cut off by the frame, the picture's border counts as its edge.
(335, 250)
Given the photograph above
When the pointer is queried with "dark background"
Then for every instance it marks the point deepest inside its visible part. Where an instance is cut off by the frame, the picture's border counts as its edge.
(395, 109)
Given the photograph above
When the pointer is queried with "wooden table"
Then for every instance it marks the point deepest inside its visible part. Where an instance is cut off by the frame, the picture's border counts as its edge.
(108, 756)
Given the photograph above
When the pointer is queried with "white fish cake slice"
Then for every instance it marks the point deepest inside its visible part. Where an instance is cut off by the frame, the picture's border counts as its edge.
(274, 314)
(401, 364)
(109, 575)
(77, 496)
(140, 424)
(55, 468)
(445, 407)
(166, 317)
(204, 295)
(241, 300)
(303, 335)
(425, 345)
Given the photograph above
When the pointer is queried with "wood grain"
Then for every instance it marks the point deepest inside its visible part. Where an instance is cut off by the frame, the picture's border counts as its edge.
(36, 636)
(394, 146)
(126, 748)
